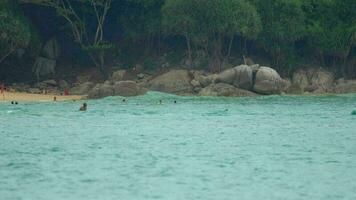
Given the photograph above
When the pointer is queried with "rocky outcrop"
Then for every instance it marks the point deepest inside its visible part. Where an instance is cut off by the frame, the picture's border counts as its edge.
(128, 89)
(345, 86)
(120, 88)
(312, 80)
(100, 91)
(244, 77)
(175, 81)
(268, 81)
(240, 76)
(228, 76)
(118, 75)
(226, 90)
(82, 89)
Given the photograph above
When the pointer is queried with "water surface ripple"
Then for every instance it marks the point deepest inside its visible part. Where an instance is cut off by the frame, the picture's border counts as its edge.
(274, 147)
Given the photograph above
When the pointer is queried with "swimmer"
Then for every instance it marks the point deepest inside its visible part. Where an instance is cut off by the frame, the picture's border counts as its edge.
(16, 102)
(124, 100)
(175, 101)
(160, 101)
(83, 107)
(12, 102)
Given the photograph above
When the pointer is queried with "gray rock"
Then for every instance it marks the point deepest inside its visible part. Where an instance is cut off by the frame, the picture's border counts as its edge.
(118, 75)
(50, 82)
(174, 81)
(140, 76)
(223, 89)
(100, 91)
(322, 79)
(345, 86)
(244, 77)
(195, 83)
(207, 80)
(268, 81)
(82, 89)
(34, 91)
(128, 88)
(228, 76)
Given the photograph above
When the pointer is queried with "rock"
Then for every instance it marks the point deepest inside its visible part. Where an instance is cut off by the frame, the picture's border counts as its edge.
(345, 86)
(34, 91)
(295, 89)
(228, 76)
(322, 79)
(300, 79)
(100, 91)
(244, 77)
(83, 78)
(50, 82)
(314, 80)
(118, 75)
(44, 66)
(195, 83)
(128, 88)
(20, 87)
(140, 76)
(223, 89)
(207, 80)
(268, 81)
(63, 84)
(82, 89)
(175, 81)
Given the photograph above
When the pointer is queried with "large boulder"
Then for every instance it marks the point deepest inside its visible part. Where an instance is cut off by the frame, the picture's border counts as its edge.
(244, 77)
(268, 81)
(175, 81)
(322, 80)
(82, 89)
(118, 75)
(345, 86)
(128, 88)
(223, 89)
(100, 91)
(207, 80)
(300, 80)
(227, 76)
(313, 80)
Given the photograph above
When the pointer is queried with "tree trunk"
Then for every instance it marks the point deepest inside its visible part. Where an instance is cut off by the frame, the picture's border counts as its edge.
(189, 51)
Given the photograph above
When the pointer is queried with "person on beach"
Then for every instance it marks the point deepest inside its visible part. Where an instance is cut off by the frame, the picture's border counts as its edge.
(83, 107)
(54, 98)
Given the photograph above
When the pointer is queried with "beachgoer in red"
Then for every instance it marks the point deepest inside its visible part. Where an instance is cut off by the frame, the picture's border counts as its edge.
(66, 92)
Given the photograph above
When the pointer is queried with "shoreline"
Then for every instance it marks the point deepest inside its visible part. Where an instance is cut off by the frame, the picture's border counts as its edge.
(22, 96)
(29, 97)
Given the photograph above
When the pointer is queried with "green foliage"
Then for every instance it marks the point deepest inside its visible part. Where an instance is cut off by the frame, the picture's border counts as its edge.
(15, 32)
(283, 24)
(331, 26)
(207, 24)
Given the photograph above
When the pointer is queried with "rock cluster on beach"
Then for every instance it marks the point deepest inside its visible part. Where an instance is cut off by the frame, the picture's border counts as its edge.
(239, 81)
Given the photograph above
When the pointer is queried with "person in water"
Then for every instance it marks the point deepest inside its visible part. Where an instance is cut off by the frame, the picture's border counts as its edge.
(83, 107)
(124, 100)
(160, 101)
(175, 101)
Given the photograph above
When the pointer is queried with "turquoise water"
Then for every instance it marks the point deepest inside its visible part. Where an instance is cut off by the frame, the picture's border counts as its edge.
(285, 148)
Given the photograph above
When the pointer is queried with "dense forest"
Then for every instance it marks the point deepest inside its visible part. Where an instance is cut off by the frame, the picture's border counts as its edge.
(39, 37)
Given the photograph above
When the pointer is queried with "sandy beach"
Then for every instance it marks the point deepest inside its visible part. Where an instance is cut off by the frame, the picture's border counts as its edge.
(17, 96)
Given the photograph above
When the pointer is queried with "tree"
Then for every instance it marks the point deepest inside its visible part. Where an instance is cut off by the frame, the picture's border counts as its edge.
(14, 31)
(283, 24)
(331, 28)
(207, 24)
(80, 14)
